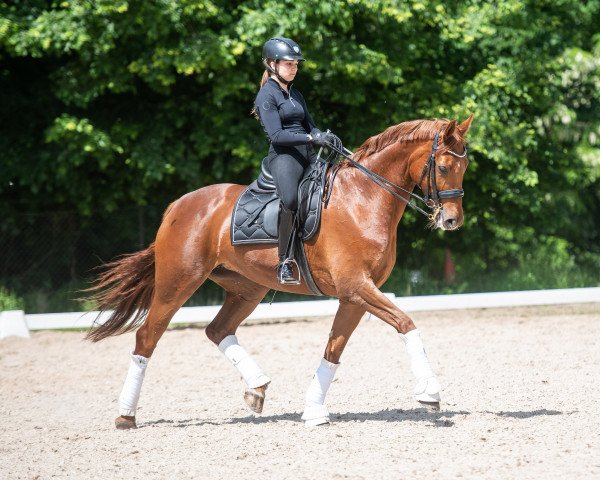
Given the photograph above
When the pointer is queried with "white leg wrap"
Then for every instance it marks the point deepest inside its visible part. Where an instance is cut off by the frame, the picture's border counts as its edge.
(130, 394)
(427, 388)
(240, 359)
(315, 411)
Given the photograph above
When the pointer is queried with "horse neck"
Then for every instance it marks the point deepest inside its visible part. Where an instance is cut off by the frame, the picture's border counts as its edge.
(394, 164)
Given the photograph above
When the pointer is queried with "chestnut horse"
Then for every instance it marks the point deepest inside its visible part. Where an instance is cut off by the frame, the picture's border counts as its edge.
(350, 257)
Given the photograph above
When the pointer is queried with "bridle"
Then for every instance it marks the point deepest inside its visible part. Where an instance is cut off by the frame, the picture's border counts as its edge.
(432, 197)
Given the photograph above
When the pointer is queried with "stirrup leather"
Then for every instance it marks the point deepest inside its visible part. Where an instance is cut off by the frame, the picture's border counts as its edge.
(290, 262)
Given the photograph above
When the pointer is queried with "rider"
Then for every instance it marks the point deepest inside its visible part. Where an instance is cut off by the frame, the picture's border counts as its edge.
(291, 130)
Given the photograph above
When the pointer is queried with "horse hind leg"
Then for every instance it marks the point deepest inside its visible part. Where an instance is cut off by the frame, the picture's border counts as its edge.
(241, 298)
(168, 297)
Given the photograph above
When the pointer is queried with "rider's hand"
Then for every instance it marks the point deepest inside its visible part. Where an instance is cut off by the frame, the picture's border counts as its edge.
(321, 139)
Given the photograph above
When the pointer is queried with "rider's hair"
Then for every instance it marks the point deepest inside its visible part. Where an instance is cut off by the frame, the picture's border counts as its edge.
(263, 80)
(265, 77)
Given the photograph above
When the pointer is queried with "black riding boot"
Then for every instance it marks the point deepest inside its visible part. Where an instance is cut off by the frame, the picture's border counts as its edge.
(286, 229)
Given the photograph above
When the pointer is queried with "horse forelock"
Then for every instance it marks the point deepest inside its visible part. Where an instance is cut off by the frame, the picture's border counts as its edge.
(409, 132)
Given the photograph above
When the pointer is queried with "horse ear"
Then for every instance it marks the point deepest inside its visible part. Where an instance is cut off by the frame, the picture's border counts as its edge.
(463, 128)
(449, 130)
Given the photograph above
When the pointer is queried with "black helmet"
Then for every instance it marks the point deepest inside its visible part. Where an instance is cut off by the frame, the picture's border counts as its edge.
(281, 48)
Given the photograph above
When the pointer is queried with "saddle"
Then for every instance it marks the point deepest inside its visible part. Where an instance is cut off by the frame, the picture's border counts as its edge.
(255, 215)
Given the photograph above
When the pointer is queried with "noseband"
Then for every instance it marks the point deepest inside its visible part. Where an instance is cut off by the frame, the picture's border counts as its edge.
(432, 197)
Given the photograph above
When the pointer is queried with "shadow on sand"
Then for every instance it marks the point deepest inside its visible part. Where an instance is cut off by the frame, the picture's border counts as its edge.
(436, 418)
(431, 418)
(534, 413)
(191, 422)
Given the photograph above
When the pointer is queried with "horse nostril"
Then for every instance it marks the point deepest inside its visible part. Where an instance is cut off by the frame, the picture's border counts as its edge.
(449, 223)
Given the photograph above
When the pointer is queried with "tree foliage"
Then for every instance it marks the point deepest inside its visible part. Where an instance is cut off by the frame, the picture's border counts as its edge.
(110, 103)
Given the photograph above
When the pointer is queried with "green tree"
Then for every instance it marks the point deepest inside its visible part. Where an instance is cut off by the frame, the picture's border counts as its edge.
(107, 104)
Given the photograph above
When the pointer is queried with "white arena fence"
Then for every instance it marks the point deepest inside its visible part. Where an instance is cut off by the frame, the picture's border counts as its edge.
(18, 323)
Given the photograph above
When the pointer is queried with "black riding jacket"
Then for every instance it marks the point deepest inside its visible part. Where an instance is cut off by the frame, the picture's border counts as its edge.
(284, 116)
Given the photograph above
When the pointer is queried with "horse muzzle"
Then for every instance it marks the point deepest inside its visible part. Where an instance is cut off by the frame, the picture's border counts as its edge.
(449, 219)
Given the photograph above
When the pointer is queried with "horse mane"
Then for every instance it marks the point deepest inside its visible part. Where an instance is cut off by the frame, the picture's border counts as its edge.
(406, 132)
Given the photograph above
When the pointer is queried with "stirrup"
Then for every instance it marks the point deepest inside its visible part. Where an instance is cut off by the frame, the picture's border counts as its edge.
(293, 281)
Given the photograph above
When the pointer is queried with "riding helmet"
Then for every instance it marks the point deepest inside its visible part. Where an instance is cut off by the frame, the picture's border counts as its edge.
(281, 48)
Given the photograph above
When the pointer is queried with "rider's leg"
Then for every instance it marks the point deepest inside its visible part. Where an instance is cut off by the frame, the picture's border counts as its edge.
(287, 171)
(285, 232)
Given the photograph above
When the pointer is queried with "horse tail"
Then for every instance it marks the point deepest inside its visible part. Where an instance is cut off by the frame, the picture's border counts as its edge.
(126, 287)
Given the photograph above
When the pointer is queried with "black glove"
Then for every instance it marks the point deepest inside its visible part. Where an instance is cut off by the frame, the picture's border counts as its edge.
(321, 139)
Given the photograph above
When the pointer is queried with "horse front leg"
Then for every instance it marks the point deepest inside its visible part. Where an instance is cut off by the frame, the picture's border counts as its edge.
(427, 389)
(346, 320)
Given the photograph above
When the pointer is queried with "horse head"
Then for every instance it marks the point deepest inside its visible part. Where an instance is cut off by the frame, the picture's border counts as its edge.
(440, 176)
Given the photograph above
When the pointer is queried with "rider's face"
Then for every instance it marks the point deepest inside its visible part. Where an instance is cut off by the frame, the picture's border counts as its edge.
(288, 69)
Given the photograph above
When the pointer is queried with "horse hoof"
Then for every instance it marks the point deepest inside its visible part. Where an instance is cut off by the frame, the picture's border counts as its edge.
(315, 422)
(427, 392)
(315, 415)
(125, 423)
(255, 398)
(435, 406)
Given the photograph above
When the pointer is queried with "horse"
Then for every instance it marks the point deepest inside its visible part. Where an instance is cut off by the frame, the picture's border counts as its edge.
(350, 257)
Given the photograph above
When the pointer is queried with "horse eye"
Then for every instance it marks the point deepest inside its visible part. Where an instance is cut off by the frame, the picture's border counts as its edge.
(444, 170)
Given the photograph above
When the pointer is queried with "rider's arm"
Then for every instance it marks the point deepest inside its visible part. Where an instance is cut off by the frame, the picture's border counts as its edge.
(269, 116)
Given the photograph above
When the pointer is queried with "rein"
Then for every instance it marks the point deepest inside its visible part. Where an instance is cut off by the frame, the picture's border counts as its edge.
(432, 198)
